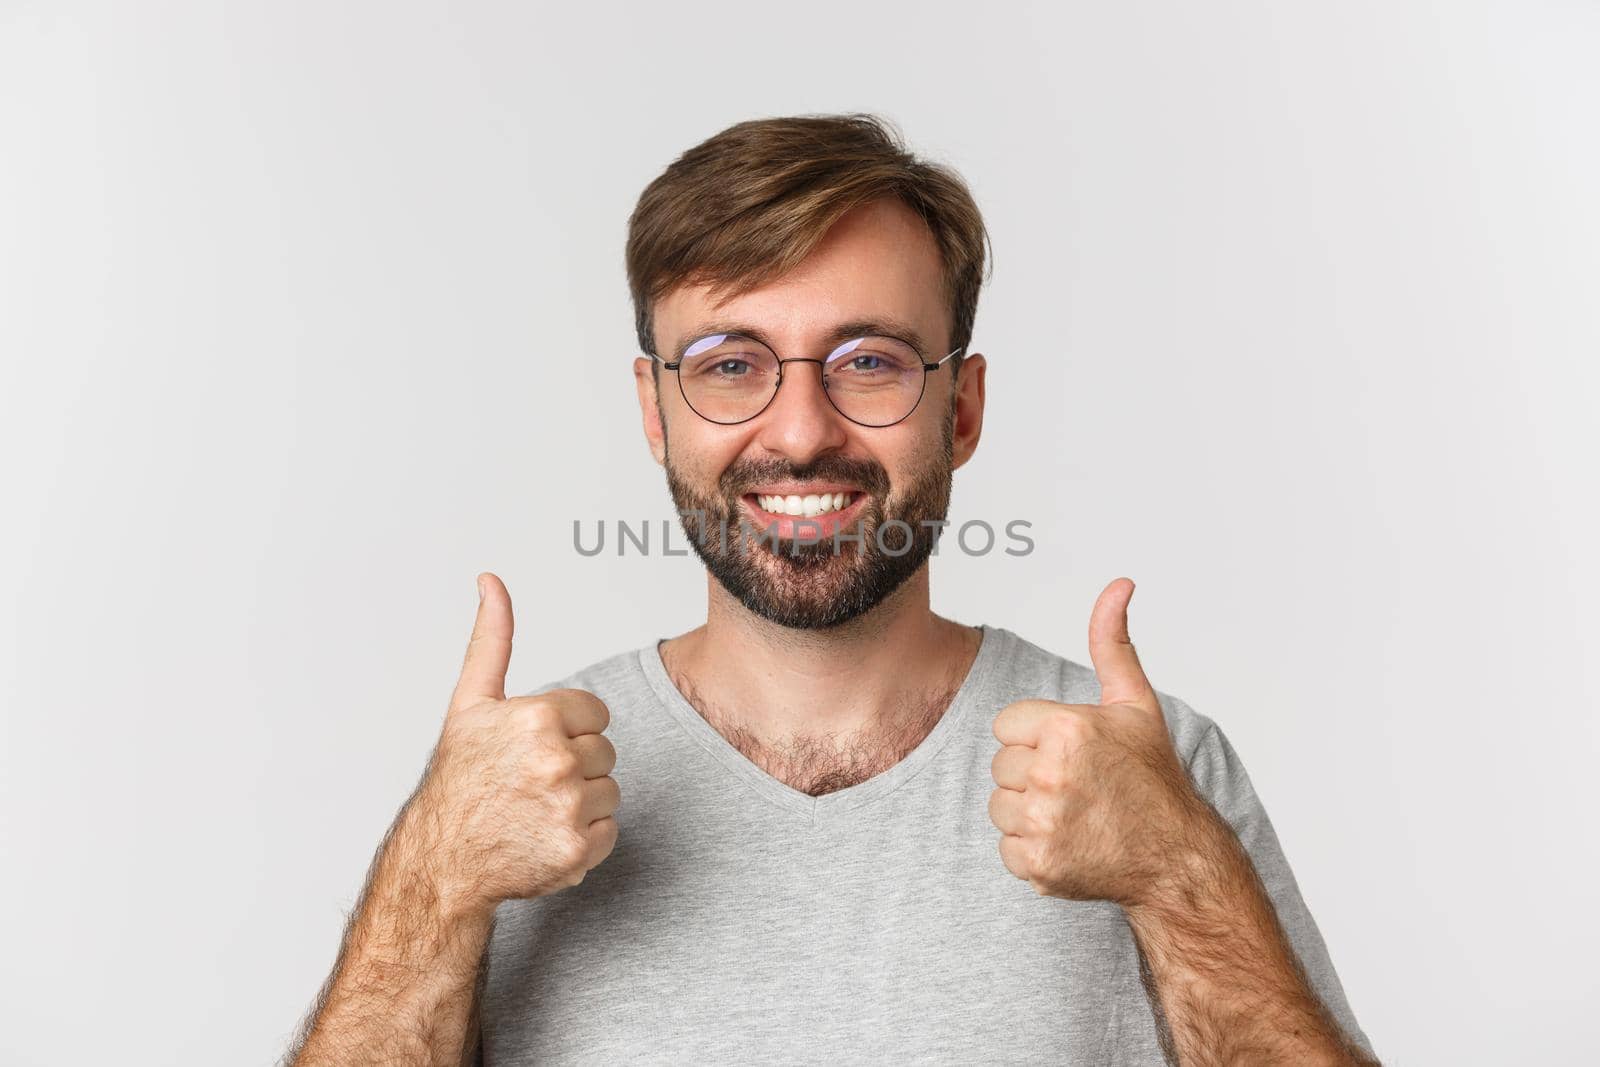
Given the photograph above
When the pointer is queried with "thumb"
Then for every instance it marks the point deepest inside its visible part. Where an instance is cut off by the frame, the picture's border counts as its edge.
(483, 672)
(1116, 664)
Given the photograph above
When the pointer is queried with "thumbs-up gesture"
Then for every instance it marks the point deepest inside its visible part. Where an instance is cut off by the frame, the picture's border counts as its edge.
(1093, 803)
(517, 800)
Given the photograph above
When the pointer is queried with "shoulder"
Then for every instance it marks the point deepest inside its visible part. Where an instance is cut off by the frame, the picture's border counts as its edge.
(1030, 671)
(617, 679)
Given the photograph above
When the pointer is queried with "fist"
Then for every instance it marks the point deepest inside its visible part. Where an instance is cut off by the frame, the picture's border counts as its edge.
(517, 800)
(1092, 802)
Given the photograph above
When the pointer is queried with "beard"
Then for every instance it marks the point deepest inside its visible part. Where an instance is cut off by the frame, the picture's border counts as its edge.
(808, 584)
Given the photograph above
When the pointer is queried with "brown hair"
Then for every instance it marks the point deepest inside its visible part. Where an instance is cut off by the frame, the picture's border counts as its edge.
(748, 204)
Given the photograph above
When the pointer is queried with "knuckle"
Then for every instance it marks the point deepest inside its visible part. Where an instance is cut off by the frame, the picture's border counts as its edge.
(547, 771)
(1036, 815)
(539, 715)
(1068, 727)
(566, 805)
(561, 763)
(1046, 775)
(574, 852)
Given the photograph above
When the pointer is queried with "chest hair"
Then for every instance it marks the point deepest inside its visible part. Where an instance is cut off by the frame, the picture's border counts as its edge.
(826, 763)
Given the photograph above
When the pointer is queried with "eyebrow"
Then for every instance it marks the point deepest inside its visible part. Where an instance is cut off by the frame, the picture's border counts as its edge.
(844, 331)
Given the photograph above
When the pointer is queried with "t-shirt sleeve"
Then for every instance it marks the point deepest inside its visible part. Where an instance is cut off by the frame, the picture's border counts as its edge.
(1221, 778)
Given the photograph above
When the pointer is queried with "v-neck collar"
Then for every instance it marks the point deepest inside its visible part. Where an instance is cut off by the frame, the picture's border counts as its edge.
(843, 801)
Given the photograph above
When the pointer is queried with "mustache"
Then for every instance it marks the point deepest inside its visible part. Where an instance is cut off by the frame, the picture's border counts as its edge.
(870, 477)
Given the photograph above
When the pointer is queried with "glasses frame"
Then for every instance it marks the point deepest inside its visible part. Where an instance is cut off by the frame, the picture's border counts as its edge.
(927, 367)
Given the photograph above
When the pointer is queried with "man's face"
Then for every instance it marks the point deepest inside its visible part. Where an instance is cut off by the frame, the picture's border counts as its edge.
(878, 263)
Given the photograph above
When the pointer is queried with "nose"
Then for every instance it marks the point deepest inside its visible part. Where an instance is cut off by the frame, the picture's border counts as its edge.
(801, 422)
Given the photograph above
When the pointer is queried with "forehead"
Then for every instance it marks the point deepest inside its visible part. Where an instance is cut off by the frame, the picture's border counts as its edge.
(878, 262)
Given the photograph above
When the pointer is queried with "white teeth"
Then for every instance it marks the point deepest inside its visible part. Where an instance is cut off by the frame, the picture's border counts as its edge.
(805, 506)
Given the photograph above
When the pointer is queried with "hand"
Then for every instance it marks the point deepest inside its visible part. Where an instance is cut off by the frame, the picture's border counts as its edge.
(517, 800)
(1093, 803)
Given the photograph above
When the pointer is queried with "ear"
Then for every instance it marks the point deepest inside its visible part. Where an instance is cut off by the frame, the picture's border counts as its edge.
(650, 407)
(969, 409)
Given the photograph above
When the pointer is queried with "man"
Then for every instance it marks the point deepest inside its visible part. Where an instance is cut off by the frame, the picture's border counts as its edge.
(854, 830)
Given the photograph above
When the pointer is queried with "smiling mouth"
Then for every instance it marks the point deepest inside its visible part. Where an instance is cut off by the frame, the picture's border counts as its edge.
(800, 525)
(807, 506)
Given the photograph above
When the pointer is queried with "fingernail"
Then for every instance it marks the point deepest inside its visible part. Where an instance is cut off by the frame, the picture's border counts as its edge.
(480, 589)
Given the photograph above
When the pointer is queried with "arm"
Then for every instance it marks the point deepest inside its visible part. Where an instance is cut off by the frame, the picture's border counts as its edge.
(1094, 804)
(516, 802)
(1221, 974)
(404, 988)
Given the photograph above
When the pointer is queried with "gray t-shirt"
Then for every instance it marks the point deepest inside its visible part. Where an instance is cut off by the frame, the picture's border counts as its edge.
(741, 920)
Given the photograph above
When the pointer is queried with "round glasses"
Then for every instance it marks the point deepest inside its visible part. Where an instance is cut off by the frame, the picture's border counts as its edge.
(729, 378)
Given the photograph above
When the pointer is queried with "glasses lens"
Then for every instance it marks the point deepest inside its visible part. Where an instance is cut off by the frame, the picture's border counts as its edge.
(727, 378)
(875, 380)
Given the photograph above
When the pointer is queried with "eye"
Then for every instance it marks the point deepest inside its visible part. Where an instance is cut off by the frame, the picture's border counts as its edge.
(859, 362)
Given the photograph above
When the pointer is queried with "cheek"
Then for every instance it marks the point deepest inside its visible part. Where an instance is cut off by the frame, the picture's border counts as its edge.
(910, 456)
(699, 454)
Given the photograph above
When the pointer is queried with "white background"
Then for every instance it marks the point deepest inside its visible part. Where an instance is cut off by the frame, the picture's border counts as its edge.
(311, 311)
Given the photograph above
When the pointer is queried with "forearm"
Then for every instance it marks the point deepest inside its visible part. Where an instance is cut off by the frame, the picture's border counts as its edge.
(1220, 972)
(404, 988)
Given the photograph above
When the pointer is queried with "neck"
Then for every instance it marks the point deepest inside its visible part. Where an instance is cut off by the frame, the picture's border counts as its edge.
(860, 679)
